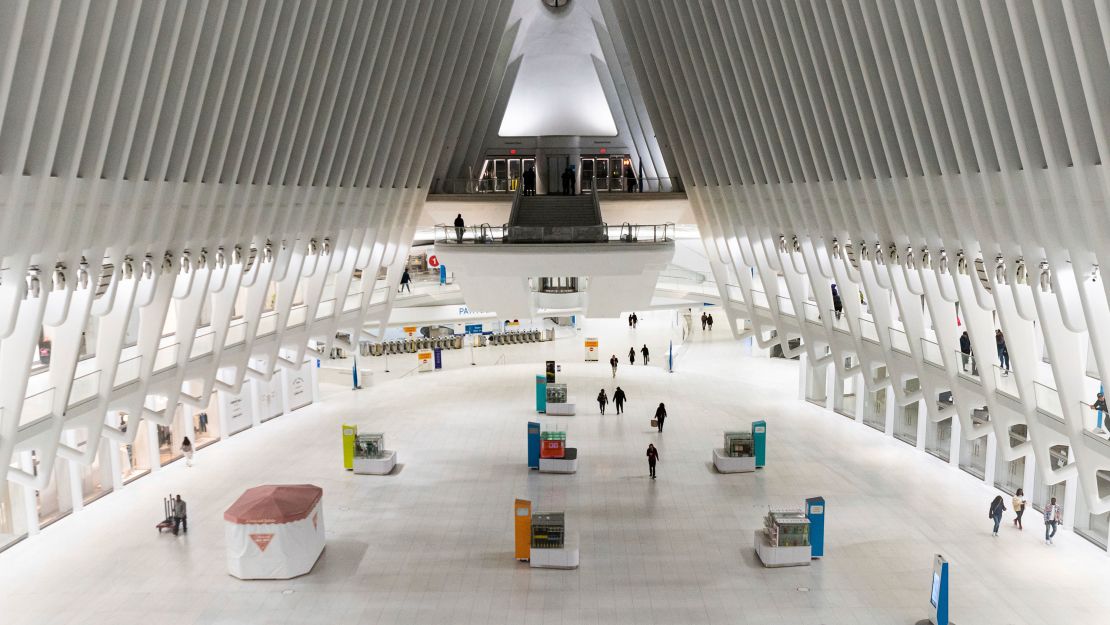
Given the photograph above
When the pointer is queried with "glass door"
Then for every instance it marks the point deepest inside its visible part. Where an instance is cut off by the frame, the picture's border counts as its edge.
(938, 439)
(514, 173)
(588, 172)
(602, 174)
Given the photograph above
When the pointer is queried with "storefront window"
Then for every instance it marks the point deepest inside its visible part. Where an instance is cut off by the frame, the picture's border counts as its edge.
(96, 477)
(846, 399)
(905, 424)
(1095, 527)
(134, 457)
(938, 439)
(13, 514)
(1042, 492)
(1009, 475)
(55, 500)
(973, 456)
(874, 408)
(817, 385)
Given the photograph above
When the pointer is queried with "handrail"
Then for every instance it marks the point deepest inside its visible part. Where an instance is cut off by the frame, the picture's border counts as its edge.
(601, 233)
(504, 186)
(515, 212)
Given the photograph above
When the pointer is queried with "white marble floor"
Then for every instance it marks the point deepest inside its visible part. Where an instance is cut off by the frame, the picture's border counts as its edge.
(433, 543)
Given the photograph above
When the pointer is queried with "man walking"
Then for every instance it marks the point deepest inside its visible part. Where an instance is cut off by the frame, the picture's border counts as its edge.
(613, 363)
(653, 457)
(618, 399)
(966, 355)
(405, 280)
(1051, 520)
(644, 351)
(709, 320)
(460, 228)
(703, 318)
(181, 517)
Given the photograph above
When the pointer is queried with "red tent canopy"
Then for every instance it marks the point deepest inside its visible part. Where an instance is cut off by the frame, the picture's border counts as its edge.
(274, 503)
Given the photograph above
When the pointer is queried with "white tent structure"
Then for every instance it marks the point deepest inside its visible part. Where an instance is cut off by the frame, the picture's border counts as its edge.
(275, 531)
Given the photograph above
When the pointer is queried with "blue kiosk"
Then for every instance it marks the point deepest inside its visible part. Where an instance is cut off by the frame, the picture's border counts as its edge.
(759, 440)
(938, 595)
(815, 512)
(541, 393)
(533, 445)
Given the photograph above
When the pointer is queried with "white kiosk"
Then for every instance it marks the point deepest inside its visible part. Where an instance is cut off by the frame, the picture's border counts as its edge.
(371, 456)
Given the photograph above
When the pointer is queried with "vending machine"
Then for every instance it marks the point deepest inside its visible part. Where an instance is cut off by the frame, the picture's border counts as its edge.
(759, 436)
(533, 445)
(541, 393)
(350, 433)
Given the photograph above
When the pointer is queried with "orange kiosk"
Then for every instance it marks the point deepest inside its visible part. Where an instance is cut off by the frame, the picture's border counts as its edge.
(522, 524)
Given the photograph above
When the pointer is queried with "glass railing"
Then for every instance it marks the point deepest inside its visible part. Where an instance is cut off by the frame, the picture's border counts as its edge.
(381, 293)
(297, 316)
(839, 321)
(127, 371)
(1094, 420)
(931, 354)
(36, 407)
(811, 311)
(899, 342)
(165, 358)
(326, 309)
(352, 302)
(1005, 383)
(267, 324)
(236, 334)
(759, 300)
(84, 388)
(786, 306)
(1048, 401)
(735, 293)
(203, 345)
(867, 330)
(969, 366)
(611, 184)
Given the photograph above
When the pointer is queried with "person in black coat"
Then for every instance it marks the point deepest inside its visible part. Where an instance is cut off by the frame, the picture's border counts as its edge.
(653, 457)
(619, 398)
(460, 228)
(631, 355)
(660, 416)
(644, 351)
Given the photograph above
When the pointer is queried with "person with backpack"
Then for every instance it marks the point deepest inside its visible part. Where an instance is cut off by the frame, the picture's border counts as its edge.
(613, 362)
(1019, 507)
(653, 457)
(660, 416)
(602, 399)
(1052, 514)
(966, 355)
(838, 304)
(631, 355)
(619, 398)
(998, 506)
(644, 351)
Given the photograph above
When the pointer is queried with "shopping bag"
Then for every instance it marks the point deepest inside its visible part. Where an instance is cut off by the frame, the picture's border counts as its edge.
(655, 423)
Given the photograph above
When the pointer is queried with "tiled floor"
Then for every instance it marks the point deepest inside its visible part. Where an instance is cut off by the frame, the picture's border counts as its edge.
(433, 543)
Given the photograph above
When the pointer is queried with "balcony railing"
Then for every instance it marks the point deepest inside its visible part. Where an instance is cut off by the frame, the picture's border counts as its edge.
(36, 407)
(297, 316)
(203, 345)
(931, 354)
(506, 186)
(1048, 401)
(84, 388)
(352, 301)
(867, 330)
(899, 341)
(811, 311)
(267, 324)
(165, 357)
(326, 309)
(236, 334)
(485, 234)
(786, 306)
(127, 371)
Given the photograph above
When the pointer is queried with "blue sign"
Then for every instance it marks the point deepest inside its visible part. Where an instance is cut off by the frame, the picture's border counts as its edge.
(533, 445)
(438, 354)
(474, 328)
(815, 512)
(938, 595)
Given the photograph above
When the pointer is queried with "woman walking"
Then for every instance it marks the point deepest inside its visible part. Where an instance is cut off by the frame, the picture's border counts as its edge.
(653, 457)
(631, 355)
(660, 416)
(187, 449)
(1019, 507)
(997, 508)
(602, 399)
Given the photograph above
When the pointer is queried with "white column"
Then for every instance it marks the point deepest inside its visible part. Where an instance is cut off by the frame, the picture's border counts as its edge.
(892, 409)
(152, 447)
(992, 456)
(957, 440)
(922, 422)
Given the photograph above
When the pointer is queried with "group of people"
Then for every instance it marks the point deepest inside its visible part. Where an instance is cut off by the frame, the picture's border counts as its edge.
(644, 351)
(706, 321)
(633, 320)
(1053, 515)
(569, 179)
(619, 397)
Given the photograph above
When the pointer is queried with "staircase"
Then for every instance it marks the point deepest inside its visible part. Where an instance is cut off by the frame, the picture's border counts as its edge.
(556, 218)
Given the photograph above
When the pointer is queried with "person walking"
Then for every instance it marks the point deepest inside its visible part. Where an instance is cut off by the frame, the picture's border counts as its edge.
(460, 228)
(635, 320)
(405, 280)
(653, 457)
(660, 416)
(630, 320)
(1019, 507)
(187, 449)
(965, 351)
(602, 399)
(631, 355)
(838, 304)
(613, 362)
(703, 317)
(619, 398)
(644, 351)
(1003, 353)
(530, 181)
(1052, 516)
(709, 320)
(998, 506)
(1099, 406)
(180, 516)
